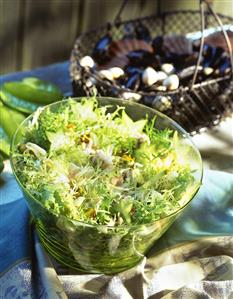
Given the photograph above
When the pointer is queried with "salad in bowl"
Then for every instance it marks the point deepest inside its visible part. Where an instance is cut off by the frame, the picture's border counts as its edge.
(103, 179)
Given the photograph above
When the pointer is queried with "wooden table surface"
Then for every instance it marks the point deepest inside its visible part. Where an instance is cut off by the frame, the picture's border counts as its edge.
(215, 145)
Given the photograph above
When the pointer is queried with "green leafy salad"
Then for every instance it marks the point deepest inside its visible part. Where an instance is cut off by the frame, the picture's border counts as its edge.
(103, 168)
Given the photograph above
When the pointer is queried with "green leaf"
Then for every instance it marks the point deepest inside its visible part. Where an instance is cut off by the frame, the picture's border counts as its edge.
(136, 127)
(1, 164)
(34, 90)
(10, 120)
(4, 142)
(124, 207)
(17, 103)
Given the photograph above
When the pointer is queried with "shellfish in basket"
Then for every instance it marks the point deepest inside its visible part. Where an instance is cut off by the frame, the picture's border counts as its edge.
(141, 63)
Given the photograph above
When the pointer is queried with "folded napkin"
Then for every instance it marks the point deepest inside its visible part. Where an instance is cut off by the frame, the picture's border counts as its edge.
(194, 259)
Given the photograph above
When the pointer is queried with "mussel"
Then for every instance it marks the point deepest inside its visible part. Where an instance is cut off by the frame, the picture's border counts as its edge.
(101, 48)
(133, 69)
(142, 32)
(224, 65)
(129, 31)
(211, 56)
(157, 44)
(133, 82)
(142, 58)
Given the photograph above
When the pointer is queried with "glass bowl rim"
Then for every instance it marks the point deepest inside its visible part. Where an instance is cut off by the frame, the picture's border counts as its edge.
(117, 101)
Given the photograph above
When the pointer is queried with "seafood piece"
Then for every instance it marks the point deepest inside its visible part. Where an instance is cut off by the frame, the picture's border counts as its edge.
(142, 58)
(132, 70)
(211, 56)
(161, 75)
(117, 72)
(87, 61)
(101, 48)
(149, 76)
(224, 65)
(133, 82)
(157, 45)
(131, 96)
(171, 82)
(129, 31)
(142, 32)
(208, 71)
(106, 74)
(168, 68)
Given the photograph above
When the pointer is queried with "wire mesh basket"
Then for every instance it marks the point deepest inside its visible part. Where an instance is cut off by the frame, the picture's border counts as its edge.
(198, 105)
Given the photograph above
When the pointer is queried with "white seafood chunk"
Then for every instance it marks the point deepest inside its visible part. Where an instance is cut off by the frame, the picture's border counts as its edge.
(117, 72)
(131, 95)
(171, 82)
(106, 74)
(38, 151)
(208, 70)
(149, 76)
(87, 61)
(161, 75)
(168, 68)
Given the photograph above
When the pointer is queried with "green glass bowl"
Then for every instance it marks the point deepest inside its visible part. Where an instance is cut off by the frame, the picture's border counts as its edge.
(99, 248)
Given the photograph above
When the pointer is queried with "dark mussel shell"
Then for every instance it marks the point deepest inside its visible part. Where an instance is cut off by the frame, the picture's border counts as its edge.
(129, 31)
(133, 81)
(224, 65)
(219, 56)
(101, 48)
(211, 55)
(142, 32)
(157, 45)
(142, 58)
(178, 61)
(133, 70)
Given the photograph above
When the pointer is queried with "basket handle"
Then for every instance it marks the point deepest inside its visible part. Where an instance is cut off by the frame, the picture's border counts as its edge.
(117, 19)
(202, 13)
